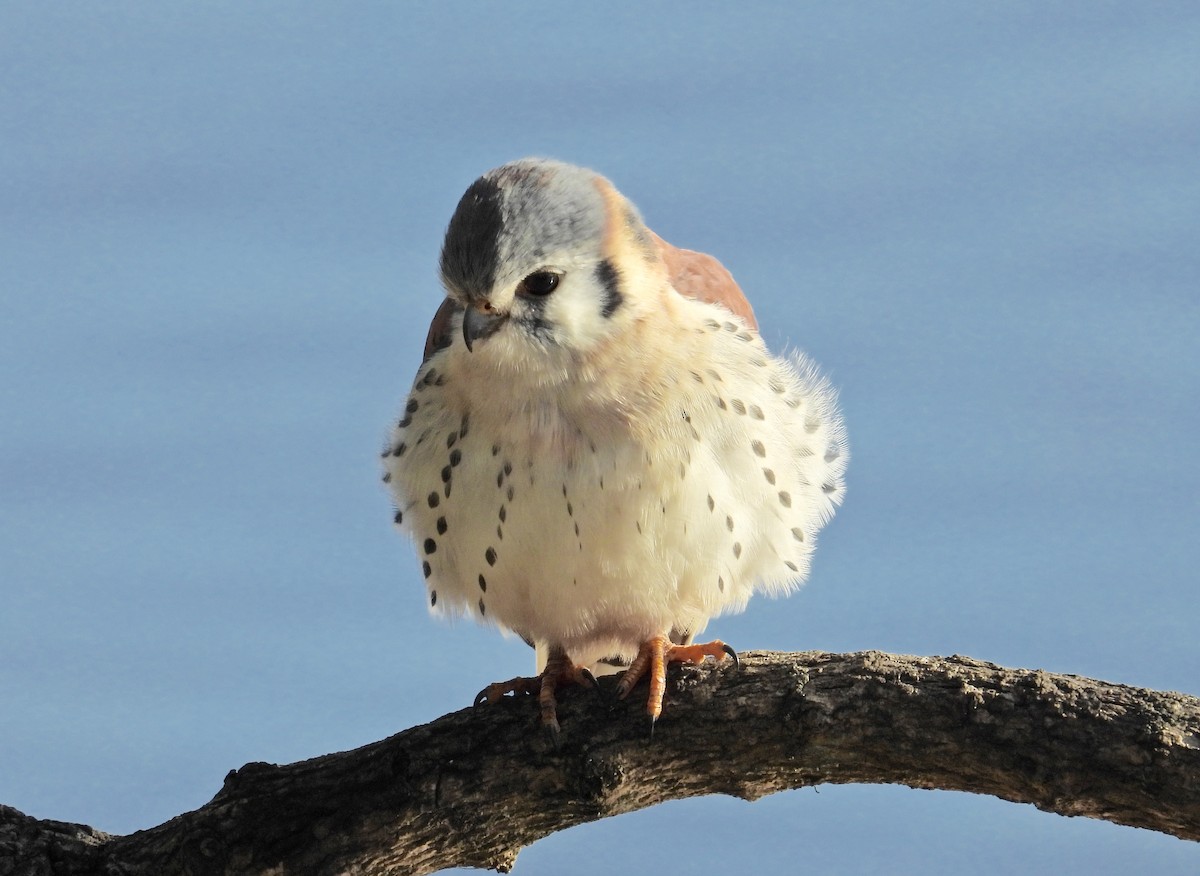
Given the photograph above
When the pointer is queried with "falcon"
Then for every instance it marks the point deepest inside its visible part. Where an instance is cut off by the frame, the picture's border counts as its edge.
(598, 453)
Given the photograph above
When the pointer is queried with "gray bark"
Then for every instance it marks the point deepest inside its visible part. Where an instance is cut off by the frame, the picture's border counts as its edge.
(473, 787)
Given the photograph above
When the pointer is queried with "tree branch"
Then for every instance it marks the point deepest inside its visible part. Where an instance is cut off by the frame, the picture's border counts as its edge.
(473, 787)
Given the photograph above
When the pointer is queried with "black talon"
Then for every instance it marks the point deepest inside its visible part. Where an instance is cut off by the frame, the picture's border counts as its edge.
(587, 673)
(732, 653)
(554, 732)
(481, 698)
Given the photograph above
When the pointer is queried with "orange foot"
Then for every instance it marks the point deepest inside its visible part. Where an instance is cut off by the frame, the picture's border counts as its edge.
(654, 655)
(559, 671)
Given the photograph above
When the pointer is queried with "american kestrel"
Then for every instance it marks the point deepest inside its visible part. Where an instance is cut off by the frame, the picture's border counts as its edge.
(598, 452)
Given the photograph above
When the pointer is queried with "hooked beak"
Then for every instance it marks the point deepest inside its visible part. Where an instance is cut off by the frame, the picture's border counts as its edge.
(478, 324)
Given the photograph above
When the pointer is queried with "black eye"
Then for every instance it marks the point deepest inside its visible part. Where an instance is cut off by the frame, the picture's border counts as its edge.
(539, 283)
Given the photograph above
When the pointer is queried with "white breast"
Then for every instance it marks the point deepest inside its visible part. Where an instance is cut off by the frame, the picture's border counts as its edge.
(570, 514)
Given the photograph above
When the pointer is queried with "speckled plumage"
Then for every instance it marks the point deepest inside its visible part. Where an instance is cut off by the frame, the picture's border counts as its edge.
(613, 460)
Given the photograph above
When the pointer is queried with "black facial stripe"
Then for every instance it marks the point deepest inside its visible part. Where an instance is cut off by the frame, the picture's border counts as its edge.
(607, 274)
(533, 320)
(471, 250)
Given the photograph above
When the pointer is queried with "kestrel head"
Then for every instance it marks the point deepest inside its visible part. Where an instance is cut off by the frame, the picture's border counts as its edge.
(548, 254)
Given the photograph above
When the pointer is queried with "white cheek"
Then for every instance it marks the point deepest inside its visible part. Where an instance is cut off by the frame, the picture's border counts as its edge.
(574, 310)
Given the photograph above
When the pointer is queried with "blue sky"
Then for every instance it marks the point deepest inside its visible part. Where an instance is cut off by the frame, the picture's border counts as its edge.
(218, 236)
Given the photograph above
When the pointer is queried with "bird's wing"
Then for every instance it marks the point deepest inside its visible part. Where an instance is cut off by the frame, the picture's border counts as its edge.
(701, 276)
(439, 330)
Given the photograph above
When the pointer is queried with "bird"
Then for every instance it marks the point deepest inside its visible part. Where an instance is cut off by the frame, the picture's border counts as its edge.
(598, 452)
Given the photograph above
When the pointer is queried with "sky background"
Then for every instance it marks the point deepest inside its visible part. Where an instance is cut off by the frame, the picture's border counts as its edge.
(219, 226)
